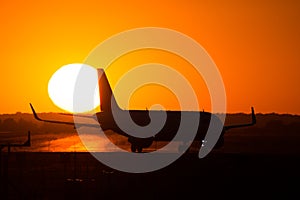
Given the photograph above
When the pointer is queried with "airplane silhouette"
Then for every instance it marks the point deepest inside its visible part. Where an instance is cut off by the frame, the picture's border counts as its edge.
(142, 118)
(9, 145)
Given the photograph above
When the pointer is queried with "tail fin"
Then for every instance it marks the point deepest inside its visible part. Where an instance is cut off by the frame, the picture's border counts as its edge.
(28, 142)
(107, 99)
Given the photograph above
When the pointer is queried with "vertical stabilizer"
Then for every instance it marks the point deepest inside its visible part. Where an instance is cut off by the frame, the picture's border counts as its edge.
(107, 99)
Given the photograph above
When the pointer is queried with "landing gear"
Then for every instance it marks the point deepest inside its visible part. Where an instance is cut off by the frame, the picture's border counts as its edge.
(135, 148)
(139, 149)
(137, 144)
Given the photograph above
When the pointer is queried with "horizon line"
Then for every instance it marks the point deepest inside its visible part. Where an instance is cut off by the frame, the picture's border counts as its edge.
(228, 113)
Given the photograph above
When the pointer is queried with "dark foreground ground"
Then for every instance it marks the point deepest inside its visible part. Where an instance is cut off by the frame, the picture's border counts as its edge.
(34, 175)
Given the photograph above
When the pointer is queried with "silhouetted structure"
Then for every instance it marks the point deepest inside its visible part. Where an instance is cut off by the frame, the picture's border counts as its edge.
(141, 118)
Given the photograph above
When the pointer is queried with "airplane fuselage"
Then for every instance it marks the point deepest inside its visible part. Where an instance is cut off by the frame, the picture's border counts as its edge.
(167, 132)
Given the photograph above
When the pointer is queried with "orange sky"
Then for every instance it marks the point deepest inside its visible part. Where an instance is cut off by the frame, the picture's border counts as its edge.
(255, 45)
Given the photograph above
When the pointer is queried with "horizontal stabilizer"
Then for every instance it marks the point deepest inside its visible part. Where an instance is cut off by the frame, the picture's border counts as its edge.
(243, 125)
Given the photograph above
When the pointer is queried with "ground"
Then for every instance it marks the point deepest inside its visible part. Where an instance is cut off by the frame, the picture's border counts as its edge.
(60, 175)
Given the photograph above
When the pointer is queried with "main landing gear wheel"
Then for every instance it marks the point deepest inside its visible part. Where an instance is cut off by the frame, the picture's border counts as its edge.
(135, 148)
(140, 149)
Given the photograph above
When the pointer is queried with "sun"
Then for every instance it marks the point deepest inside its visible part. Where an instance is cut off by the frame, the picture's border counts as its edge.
(74, 88)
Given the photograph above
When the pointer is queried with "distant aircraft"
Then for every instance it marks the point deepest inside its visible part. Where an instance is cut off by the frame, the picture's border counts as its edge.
(141, 117)
(8, 145)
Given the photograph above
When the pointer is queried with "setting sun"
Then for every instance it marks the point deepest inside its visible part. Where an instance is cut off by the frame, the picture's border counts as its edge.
(254, 44)
(61, 86)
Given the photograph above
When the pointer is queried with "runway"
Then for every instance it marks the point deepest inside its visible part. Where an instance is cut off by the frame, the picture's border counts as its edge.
(75, 175)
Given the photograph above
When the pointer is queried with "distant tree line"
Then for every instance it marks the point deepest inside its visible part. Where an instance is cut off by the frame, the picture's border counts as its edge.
(23, 123)
(266, 123)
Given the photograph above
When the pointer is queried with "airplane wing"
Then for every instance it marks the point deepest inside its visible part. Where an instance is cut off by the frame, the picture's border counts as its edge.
(243, 125)
(61, 122)
(78, 115)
